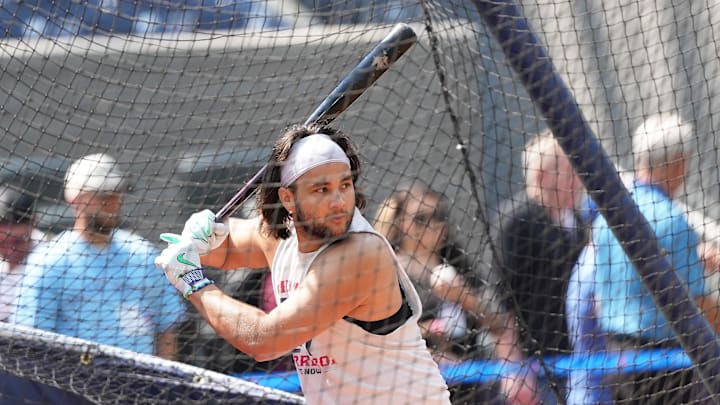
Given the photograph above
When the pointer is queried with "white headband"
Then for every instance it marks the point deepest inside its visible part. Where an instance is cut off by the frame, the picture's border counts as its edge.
(309, 153)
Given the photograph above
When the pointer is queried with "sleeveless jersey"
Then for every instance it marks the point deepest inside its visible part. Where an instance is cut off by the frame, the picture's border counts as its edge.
(346, 364)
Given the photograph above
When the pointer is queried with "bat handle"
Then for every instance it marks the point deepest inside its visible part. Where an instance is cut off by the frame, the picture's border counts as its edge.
(241, 196)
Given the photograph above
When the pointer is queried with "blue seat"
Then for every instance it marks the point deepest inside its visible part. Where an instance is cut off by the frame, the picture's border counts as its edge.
(222, 15)
(14, 18)
(104, 17)
(158, 16)
(53, 18)
(227, 15)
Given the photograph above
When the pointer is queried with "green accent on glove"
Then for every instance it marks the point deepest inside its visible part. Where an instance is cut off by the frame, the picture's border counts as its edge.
(204, 233)
(170, 237)
(181, 258)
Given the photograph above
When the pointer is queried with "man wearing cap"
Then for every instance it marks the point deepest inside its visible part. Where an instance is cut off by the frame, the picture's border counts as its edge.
(96, 281)
(347, 311)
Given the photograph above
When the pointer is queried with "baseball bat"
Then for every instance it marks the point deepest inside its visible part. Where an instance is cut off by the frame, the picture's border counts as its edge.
(359, 79)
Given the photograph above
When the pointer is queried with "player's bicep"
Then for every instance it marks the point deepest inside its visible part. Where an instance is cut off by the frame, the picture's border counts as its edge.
(311, 309)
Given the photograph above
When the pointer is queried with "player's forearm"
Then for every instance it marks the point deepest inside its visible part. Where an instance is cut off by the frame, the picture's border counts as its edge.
(238, 323)
(217, 257)
(241, 249)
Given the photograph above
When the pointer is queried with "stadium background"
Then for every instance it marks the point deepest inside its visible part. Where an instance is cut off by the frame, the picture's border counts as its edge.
(186, 96)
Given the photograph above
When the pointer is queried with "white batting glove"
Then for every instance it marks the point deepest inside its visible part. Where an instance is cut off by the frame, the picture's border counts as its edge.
(205, 233)
(181, 263)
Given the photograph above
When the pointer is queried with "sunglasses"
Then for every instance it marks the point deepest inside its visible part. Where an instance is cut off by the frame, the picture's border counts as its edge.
(424, 218)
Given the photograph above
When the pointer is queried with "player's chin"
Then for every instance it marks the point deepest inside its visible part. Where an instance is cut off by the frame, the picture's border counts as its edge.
(340, 222)
(336, 229)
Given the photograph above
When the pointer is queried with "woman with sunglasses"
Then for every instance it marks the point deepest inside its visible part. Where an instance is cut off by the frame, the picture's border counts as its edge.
(415, 219)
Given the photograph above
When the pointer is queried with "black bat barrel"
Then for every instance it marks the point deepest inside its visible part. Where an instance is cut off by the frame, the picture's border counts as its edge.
(362, 76)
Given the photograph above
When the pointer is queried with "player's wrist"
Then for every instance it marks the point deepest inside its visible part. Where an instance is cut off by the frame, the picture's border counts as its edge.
(195, 280)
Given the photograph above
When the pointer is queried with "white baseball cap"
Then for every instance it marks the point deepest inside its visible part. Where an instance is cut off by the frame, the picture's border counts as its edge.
(97, 173)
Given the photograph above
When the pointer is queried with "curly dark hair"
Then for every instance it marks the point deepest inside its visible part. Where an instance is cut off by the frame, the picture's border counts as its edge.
(276, 218)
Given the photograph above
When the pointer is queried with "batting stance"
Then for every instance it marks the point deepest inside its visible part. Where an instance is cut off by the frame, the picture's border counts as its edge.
(347, 312)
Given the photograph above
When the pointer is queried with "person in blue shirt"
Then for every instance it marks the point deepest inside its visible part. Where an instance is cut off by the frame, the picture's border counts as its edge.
(539, 233)
(586, 338)
(584, 386)
(96, 281)
(625, 312)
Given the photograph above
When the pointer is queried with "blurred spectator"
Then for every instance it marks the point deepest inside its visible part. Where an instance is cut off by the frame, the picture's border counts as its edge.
(583, 386)
(709, 253)
(18, 237)
(708, 230)
(586, 387)
(539, 237)
(98, 282)
(626, 312)
(455, 298)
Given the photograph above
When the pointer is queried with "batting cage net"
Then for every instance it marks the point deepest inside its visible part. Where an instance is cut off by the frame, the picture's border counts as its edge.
(504, 156)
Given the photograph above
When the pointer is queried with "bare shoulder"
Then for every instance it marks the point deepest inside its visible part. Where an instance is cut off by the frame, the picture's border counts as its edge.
(360, 271)
(363, 251)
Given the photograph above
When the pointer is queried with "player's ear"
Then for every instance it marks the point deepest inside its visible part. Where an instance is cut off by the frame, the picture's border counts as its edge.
(287, 199)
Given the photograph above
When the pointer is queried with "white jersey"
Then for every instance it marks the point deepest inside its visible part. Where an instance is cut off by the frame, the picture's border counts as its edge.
(346, 364)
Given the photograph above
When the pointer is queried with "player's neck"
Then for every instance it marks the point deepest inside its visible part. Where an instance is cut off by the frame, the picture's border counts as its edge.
(308, 246)
(309, 243)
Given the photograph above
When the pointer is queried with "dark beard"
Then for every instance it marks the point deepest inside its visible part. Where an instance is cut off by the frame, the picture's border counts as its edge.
(316, 230)
(102, 226)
